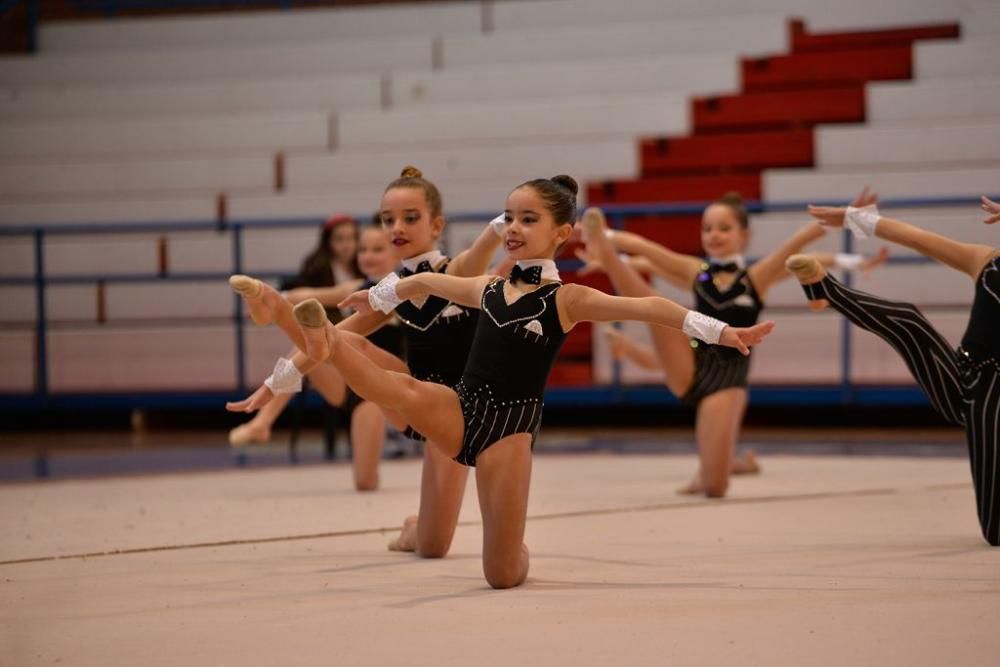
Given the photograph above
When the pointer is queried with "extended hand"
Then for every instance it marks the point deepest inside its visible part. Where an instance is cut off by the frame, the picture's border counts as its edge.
(358, 301)
(833, 216)
(875, 260)
(254, 402)
(992, 210)
(590, 263)
(744, 338)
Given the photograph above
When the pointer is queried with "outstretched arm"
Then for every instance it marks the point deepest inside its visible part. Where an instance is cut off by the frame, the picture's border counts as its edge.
(474, 260)
(770, 269)
(463, 291)
(968, 258)
(674, 267)
(328, 296)
(577, 303)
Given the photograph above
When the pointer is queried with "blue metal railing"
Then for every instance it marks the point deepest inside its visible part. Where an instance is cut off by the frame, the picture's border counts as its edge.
(617, 393)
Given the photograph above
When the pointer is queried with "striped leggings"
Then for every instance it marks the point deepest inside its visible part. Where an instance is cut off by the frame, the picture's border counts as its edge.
(964, 391)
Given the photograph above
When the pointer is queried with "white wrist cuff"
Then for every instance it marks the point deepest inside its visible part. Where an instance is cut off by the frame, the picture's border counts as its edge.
(499, 224)
(862, 220)
(285, 379)
(383, 296)
(848, 261)
(703, 327)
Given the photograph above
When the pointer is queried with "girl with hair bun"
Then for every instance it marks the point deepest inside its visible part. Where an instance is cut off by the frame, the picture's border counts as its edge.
(711, 378)
(438, 334)
(491, 417)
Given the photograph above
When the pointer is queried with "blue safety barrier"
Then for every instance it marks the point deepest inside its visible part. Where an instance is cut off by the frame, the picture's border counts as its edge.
(616, 393)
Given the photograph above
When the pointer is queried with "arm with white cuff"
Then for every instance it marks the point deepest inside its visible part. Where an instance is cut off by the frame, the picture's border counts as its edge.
(286, 378)
(862, 220)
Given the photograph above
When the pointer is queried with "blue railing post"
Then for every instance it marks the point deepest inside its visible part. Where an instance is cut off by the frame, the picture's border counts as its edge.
(41, 333)
(846, 391)
(241, 376)
(617, 384)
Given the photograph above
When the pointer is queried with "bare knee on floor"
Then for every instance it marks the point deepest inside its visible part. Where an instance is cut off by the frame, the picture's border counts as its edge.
(507, 572)
(507, 576)
(433, 548)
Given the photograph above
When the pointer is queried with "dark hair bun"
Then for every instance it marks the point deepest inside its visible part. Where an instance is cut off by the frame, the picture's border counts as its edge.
(567, 182)
(732, 198)
(409, 171)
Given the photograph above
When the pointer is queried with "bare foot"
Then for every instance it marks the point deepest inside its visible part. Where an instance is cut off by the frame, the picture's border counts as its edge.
(244, 434)
(745, 464)
(257, 296)
(311, 315)
(809, 271)
(692, 488)
(593, 223)
(407, 538)
(616, 342)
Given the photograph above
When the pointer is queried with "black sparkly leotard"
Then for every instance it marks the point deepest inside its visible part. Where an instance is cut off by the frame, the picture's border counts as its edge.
(718, 367)
(513, 351)
(438, 336)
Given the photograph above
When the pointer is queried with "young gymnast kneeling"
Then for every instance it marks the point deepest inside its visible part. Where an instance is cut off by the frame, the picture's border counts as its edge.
(962, 385)
(709, 378)
(491, 418)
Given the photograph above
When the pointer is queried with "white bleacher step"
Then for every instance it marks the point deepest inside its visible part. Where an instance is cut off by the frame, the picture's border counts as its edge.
(966, 58)
(982, 21)
(46, 210)
(182, 177)
(459, 197)
(247, 63)
(976, 98)
(829, 184)
(821, 15)
(281, 95)
(512, 163)
(483, 123)
(802, 348)
(507, 84)
(917, 143)
(743, 35)
(171, 358)
(267, 27)
(209, 135)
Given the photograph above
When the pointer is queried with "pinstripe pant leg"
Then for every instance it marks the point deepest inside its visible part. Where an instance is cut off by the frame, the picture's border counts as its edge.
(929, 357)
(982, 424)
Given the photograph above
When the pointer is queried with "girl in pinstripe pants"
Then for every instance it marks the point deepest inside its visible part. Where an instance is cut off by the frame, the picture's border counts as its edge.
(963, 385)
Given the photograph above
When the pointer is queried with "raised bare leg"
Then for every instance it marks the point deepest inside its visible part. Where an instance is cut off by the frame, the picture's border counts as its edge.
(623, 347)
(431, 409)
(672, 346)
(503, 475)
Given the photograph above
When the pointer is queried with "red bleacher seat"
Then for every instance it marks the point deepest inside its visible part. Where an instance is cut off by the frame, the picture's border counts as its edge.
(779, 110)
(720, 153)
(827, 69)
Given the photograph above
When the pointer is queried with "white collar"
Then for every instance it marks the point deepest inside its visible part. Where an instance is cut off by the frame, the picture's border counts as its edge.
(736, 259)
(549, 270)
(432, 256)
